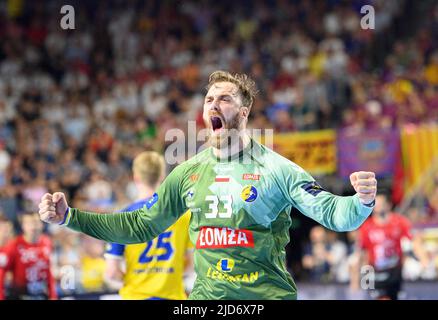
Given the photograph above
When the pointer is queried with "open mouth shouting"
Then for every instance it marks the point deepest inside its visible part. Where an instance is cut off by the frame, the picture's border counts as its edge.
(217, 124)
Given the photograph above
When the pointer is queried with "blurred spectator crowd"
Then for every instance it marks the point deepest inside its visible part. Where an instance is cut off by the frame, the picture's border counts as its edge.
(76, 106)
(329, 257)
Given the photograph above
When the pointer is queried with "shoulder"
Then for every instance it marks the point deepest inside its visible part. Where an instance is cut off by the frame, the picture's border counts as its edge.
(192, 165)
(198, 159)
(276, 160)
(366, 225)
(45, 240)
(283, 169)
(184, 220)
(10, 248)
(364, 229)
(134, 206)
(14, 242)
(401, 219)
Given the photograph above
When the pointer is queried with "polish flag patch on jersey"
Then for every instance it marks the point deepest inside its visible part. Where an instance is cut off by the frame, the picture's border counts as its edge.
(214, 237)
(222, 179)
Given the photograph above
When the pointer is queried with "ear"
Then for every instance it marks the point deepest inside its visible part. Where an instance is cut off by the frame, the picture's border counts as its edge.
(244, 112)
(136, 180)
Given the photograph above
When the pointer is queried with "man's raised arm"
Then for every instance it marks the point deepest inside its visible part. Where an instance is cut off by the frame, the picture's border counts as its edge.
(338, 213)
(160, 212)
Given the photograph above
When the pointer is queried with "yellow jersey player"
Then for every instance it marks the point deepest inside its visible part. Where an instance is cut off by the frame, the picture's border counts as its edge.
(153, 270)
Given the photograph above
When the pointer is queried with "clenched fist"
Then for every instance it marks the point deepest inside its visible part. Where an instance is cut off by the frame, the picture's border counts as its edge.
(53, 207)
(365, 184)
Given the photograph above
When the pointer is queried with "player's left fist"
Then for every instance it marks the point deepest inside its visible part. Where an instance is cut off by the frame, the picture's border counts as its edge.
(365, 184)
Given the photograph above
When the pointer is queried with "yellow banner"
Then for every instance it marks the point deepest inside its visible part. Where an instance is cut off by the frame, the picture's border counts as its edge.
(419, 147)
(314, 151)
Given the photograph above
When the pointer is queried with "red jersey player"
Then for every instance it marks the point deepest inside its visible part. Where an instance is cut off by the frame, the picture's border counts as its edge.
(380, 240)
(5, 234)
(28, 259)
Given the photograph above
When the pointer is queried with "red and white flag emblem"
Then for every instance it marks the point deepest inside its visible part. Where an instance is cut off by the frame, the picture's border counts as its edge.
(222, 179)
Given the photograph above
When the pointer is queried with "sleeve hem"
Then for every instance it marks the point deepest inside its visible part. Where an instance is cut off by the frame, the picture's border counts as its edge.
(113, 256)
(364, 209)
(67, 217)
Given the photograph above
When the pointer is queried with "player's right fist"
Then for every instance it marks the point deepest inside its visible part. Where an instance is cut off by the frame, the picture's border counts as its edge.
(53, 207)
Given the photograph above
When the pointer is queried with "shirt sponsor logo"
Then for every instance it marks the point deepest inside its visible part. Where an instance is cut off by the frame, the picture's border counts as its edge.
(313, 188)
(214, 237)
(222, 179)
(224, 275)
(251, 176)
(194, 177)
(225, 265)
(249, 193)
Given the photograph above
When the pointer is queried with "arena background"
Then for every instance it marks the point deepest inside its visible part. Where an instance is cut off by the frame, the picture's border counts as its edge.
(77, 105)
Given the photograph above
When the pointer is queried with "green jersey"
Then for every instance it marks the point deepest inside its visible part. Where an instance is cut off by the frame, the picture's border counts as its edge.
(239, 223)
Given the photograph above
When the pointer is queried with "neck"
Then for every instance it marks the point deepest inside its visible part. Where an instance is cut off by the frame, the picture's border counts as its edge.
(30, 239)
(144, 192)
(234, 148)
(381, 219)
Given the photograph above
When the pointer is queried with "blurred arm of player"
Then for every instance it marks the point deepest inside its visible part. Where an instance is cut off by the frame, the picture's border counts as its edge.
(355, 262)
(6, 264)
(358, 259)
(417, 241)
(189, 272)
(3, 262)
(419, 250)
(114, 272)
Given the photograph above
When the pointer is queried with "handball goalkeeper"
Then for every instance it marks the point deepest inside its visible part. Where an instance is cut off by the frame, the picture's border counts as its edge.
(240, 194)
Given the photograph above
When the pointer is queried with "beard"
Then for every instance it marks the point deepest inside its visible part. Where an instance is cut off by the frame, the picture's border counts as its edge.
(227, 135)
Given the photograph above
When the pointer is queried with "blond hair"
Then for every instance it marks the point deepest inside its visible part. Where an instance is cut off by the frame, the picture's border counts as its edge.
(247, 87)
(149, 167)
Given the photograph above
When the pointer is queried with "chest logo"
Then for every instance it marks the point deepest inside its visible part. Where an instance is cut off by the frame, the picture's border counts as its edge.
(225, 265)
(249, 193)
(190, 194)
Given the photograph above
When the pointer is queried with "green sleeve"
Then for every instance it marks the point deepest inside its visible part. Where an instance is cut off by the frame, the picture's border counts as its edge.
(142, 225)
(334, 212)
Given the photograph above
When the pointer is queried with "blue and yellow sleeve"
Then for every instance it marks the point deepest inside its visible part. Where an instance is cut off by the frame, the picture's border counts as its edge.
(115, 250)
